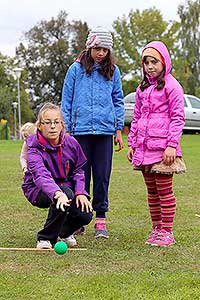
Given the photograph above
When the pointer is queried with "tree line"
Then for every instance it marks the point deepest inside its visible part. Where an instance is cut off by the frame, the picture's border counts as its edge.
(51, 46)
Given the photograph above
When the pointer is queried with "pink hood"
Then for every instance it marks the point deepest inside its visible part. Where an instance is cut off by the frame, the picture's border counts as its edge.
(162, 49)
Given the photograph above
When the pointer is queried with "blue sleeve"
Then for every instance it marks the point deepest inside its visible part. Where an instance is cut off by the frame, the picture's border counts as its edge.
(118, 99)
(67, 96)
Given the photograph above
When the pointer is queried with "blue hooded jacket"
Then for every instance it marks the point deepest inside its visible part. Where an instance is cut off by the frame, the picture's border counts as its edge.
(90, 103)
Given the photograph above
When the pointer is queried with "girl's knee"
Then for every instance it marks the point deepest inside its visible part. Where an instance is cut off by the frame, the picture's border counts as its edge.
(86, 218)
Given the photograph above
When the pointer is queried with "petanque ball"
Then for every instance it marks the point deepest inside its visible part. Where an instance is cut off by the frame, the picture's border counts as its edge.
(60, 248)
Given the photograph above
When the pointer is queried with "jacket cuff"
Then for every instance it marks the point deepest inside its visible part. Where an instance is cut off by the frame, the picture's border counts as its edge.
(172, 144)
(119, 128)
(82, 193)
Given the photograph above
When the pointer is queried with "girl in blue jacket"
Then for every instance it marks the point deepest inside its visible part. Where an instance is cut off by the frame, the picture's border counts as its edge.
(93, 110)
(55, 179)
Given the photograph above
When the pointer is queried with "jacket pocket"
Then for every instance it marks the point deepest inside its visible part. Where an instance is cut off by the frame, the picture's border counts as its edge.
(157, 139)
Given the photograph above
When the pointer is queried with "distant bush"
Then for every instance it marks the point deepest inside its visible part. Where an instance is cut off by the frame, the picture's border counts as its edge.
(4, 130)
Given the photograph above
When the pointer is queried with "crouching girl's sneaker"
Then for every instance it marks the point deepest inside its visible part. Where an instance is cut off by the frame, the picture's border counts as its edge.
(70, 241)
(81, 230)
(43, 244)
(164, 239)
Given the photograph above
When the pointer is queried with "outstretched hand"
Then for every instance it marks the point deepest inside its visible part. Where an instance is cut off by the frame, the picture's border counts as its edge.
(83, 203)
(62, 200)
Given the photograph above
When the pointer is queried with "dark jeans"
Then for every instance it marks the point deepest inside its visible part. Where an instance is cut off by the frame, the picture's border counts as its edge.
(98, 150)
(59, 223)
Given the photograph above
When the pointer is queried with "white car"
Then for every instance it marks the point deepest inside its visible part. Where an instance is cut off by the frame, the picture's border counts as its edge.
(191, 108)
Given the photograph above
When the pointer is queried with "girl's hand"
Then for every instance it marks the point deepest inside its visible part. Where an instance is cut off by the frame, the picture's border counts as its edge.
(169, 155)
(62, 200)
(130, 153)
(118, 140)
(83, 202)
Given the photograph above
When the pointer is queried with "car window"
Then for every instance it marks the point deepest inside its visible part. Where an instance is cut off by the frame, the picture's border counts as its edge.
(185, 103)
(195, 103)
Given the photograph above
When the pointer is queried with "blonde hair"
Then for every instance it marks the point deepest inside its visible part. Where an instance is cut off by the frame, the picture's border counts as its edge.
(44, 108)
(28, 129)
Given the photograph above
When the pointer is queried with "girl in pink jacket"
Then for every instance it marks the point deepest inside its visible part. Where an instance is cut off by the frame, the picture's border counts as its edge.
(154, 138)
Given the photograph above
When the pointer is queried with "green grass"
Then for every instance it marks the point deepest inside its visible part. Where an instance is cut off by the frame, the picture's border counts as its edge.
(122, 267)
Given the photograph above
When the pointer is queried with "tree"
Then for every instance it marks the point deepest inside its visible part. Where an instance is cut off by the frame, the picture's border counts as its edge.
(132, 33)
(189, 49)
(8, 93)
(79, 35)
(51, 47)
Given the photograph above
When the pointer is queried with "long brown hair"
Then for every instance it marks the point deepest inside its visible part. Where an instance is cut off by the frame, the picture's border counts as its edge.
(107, 66)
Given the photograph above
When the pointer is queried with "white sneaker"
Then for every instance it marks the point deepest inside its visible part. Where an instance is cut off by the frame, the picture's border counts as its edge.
(43, 245)
(70, 241)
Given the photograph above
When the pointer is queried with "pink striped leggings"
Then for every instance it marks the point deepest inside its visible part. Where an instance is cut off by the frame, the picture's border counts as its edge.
(161, 200)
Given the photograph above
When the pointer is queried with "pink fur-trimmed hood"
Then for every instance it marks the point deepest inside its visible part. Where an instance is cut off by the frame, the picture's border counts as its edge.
(162, 49)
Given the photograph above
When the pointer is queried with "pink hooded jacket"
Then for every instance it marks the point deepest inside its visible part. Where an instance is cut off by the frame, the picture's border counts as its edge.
(158, 117)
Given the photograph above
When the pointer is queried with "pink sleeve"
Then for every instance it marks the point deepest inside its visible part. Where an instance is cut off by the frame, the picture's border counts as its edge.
(176, 110)
(136, 116)
(23, 156)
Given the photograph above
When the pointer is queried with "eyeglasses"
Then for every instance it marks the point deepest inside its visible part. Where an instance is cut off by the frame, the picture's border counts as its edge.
(50, 123)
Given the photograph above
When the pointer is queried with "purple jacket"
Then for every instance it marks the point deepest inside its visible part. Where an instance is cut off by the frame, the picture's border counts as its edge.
(50, 165)
(158, 117)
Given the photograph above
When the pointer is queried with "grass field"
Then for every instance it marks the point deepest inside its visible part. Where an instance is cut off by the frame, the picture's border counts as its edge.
(122, 267)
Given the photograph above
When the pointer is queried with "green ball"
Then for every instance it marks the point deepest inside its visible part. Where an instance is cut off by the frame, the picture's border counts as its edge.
(60, 248)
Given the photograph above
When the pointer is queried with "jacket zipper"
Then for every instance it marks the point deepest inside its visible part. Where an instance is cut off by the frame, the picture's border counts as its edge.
(74, 121)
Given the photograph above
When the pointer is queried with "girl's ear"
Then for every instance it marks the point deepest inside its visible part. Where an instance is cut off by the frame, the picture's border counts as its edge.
(63, 126)
(37, 125)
